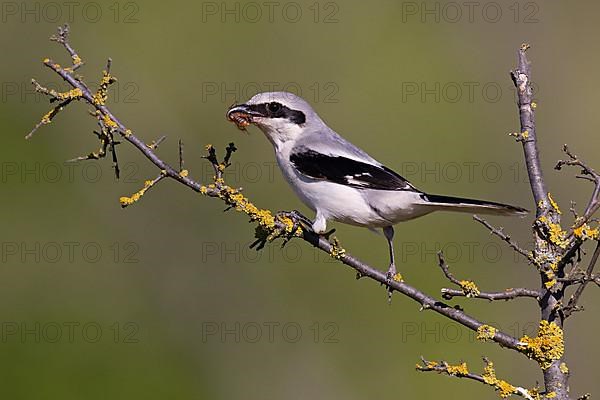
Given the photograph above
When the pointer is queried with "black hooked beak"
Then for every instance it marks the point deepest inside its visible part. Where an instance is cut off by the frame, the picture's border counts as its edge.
(242, 115)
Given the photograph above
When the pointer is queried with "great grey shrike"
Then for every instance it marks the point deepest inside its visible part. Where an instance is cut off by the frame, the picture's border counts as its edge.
(336, 179)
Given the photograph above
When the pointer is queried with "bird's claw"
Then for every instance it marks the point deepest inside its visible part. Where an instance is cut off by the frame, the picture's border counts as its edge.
(299, 221)
(389, 278)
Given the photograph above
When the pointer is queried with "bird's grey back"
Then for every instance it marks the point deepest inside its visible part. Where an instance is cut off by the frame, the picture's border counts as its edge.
(326, 140)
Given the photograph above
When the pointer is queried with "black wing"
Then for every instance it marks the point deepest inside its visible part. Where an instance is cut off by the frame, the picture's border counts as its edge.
(347, 171)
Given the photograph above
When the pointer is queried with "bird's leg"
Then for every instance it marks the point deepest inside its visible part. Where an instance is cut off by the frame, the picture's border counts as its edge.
(305, 223)
(388, 232)
(328, 234)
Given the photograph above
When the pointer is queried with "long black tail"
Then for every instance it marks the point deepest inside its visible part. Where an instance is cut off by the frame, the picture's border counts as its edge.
(460, 204)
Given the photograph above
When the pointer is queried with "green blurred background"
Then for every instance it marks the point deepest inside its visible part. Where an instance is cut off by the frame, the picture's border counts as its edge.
(163, 299)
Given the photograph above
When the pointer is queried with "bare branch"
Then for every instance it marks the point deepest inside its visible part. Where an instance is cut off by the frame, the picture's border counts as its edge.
(522, 80)
(181, 162)
(155, 143)
(508, 294)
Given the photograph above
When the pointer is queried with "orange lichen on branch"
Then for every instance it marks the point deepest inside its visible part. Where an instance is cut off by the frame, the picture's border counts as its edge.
(338, 252)
(504, 388)
(127, 201)
(584, 232)
(108, 121)
(557, 235)
(554, 204)
(48, 117)
(547, 346)
(268, 223)
(485, 333)
(458, 370)
(488, 377)
(469, 288)
(101, 94)
(563, 368)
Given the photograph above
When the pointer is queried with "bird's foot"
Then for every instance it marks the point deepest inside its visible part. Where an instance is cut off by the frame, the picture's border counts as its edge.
(299, 221)
(391, 275)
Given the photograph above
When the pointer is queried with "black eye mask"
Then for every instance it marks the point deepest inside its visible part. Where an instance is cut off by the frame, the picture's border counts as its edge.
(278, 110)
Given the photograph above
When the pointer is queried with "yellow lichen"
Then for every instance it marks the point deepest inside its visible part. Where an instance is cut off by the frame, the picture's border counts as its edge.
(109, 122)
(551, 276)
(101, 95)
(554, 204)
(534, 393)
(533, 105)
(504, 388)
(541, 204)
(547, 346)
(337, 251)
(469, 288)
(586, 232)
(398, 277)
(525, 134)
(458, 370)
(429, 365)
(563, 368)
(70, 95)
(288, 222)
(239, 202)
(184, 173)
(489, 374)
(485, 333)
(47, 118)
(76, 59)
(126, 201)
(558, 236)
(550, 284)
(551, 395)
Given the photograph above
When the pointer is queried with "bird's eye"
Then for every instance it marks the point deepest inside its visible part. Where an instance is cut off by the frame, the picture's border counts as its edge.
(273, 107)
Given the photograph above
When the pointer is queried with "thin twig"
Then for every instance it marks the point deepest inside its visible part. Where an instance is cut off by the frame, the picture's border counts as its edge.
(590, 174)
(469, 289)
(572, 305)
(508, 294)
(181, 163)
(506, 238)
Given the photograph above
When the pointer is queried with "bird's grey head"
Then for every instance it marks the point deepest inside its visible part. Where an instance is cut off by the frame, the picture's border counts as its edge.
(282, 116)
